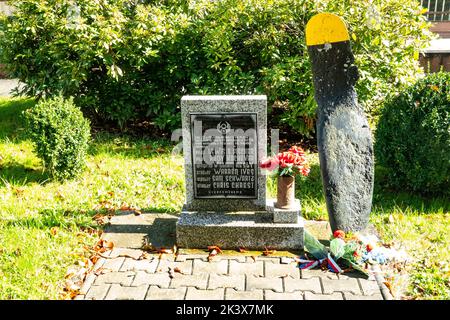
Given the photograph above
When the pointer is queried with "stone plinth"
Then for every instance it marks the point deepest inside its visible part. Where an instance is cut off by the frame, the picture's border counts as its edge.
(284, 215)
(231, 230)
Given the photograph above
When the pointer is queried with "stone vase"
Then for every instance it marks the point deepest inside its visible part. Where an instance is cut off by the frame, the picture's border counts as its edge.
(285, 192)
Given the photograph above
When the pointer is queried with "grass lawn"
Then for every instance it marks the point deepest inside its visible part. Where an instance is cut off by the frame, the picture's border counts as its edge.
(45, 226)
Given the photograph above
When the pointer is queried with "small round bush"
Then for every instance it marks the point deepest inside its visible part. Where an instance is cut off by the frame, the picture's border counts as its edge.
(413, 137)
(60, 134)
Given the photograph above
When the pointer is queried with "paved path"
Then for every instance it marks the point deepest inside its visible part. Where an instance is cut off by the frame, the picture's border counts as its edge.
(191, 277)
(129, 273)
(6, 85)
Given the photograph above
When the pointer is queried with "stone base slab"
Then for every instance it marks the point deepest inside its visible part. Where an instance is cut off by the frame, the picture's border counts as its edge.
(284, 215)
(254, 231)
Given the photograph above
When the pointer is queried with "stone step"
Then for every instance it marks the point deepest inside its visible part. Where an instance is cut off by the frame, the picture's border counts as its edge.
(233, 230)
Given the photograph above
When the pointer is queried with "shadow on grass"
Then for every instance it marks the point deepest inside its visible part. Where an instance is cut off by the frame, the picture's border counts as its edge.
(18, 174)
(165, 210)
(389, 200)
(384, 199)
(12, 128)
(127, 146)
(310, 186)
(11, 121)
(48, 218)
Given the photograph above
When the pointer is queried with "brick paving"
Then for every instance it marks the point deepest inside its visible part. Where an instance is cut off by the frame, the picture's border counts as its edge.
(122, 274)
(192, 277)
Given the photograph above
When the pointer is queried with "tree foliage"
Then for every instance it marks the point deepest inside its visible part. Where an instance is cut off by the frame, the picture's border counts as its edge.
(413, 137)
(128, 60)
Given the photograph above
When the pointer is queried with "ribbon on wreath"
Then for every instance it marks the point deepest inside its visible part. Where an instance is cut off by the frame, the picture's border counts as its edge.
(305, 264)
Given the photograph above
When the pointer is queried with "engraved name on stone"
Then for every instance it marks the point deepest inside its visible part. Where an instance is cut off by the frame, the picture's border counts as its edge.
(224, 151)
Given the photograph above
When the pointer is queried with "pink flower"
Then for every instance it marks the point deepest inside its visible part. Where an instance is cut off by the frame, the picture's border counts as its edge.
(269, 164)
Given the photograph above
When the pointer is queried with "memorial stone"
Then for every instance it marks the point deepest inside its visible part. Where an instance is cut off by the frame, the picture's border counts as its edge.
(224, 139)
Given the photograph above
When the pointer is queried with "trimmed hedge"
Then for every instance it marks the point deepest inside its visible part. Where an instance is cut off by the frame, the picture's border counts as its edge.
(61, 136)
(127, 60)
(413, 137)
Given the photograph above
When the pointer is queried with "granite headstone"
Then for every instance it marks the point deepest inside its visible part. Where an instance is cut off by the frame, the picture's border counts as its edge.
(224, 139)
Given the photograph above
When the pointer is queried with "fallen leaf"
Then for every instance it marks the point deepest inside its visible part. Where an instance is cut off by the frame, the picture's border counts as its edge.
(137, 212)
(148, 247)
(210, 248)
(109, 245)
(125, 207)
(18, 191)
(242, 250)
(144, 256)
(70, 286)
(178, 270)
(268, 252)
(70, 273)
(105, 204)
(100, 271)
(100, 218)
(103, 246)
(388, 244)
(53, 231)
(389, 286)
(60, 196)
(163, 250)
(212, 254)
(94, 259)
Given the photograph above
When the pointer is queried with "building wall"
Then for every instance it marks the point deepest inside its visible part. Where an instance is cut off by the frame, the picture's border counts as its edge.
(442, 29)
(435, 62)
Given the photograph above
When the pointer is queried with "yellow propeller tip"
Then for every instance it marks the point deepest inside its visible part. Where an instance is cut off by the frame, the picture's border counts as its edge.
(325, 28)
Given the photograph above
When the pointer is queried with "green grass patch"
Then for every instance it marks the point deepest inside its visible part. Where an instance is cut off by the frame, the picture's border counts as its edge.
(33, 262)
(144, 173)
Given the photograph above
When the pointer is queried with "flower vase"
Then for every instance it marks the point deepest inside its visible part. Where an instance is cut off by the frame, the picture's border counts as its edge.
(285, 192)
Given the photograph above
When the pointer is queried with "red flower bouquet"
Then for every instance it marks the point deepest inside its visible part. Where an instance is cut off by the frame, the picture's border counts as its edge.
(288, 163)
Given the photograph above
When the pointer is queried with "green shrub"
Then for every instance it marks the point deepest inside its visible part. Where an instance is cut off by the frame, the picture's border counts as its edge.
(61, 135)
(413, 137)
(129, 60)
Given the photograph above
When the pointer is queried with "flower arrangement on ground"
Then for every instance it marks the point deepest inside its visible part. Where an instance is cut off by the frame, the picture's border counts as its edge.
(349, 251)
